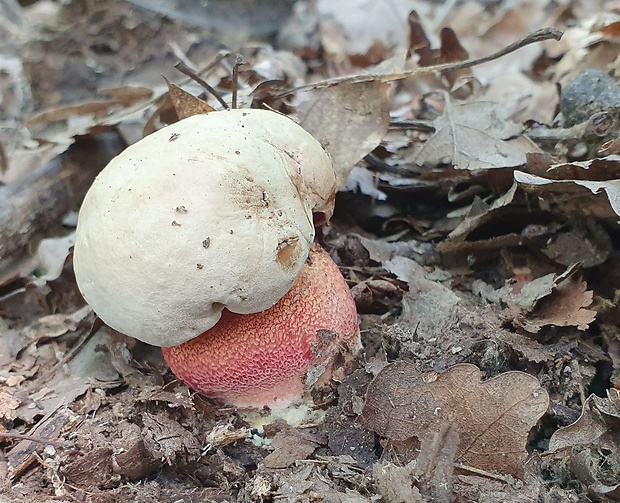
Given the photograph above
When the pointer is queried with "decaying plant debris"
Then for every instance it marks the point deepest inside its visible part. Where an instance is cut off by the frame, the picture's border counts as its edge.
(477, 226)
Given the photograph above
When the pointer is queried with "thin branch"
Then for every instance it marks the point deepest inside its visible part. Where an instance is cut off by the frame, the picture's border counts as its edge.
(235, 80)
(38, 440)
(481, 473)
(185, 70)
(532, 38)
(418, 125)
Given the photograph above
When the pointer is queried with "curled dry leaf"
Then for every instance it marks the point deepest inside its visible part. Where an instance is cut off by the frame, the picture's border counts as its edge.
(52, 255)
(592, 445)
(561, 301)
(565, 307)
(589, 429)
(482, 213)
(493, 418)
(576, 197)
(428, 478)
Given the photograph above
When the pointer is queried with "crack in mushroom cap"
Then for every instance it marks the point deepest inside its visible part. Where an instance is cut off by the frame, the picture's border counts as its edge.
(212, 212)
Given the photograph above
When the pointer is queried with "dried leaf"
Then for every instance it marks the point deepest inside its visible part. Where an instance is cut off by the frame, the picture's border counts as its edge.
(565, 306)
(89, 364)
(8, 405)
(51, 256)
(349, 120)
(590, 445)
(493, 424)
(450, 51)
(290, 445)
(396, 483)
(528, 294)
(128, 95)
(55, 325)
(59, 124)
(473, 135)
(582, 197)
(578, 246)
(186, 104)
(482, 213)
(429, 307)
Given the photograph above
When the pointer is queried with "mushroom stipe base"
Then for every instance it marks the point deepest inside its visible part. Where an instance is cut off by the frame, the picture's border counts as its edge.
(272, 358)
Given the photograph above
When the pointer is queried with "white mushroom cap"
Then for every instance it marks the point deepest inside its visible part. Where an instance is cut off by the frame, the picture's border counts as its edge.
(209, 213)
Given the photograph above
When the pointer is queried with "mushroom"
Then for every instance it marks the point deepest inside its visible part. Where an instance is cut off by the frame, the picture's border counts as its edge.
(213, 212)
(272, 357)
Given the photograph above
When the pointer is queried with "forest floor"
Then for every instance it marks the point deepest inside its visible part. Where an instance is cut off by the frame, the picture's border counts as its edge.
(477, 230)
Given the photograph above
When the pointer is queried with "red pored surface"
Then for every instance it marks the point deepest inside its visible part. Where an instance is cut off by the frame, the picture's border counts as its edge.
(261, 359)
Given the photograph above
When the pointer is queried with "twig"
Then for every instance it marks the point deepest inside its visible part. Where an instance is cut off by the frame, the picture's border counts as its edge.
(532, 38)
(235, 80)
(380, 165)
(185, 70)
(558, 134)
(419, 125)
(19, 436)
(482, 473)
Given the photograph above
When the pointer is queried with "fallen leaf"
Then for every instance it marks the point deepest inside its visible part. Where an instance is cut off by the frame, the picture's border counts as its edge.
(59, 124)
(290, 445)
(430, 307)
(8, 404)
(524, 98)
(587, 430)
(186, 104)
(51, 257)
(581, 197)
(528, 294)
(585, 45)
(89, 365)
(493, 418)
(127, 95)
(382, 250)
(55, 325)
(482, 213)
(597, 169)
(566, 306)
(484, 30)
(397, 483)
(349, 120)
(590, 446)
(473, 135)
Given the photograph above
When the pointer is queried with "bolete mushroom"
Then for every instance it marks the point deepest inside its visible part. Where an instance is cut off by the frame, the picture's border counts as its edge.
(198, 239)
(212, 212)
